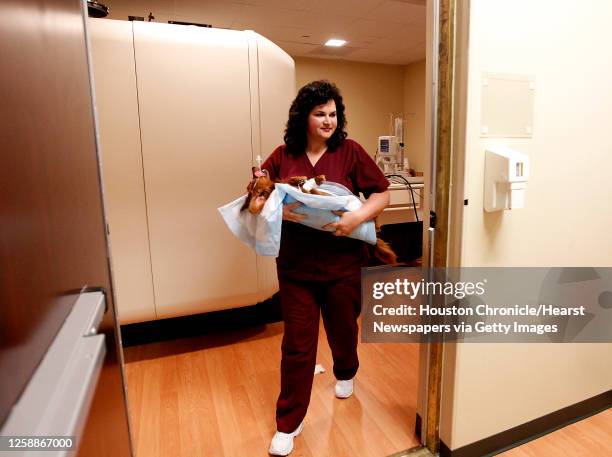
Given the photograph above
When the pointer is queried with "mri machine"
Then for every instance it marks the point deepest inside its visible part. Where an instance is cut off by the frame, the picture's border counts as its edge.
(182, 114)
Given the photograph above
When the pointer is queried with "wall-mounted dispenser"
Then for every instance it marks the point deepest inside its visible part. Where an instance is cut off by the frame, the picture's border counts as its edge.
(506, 175)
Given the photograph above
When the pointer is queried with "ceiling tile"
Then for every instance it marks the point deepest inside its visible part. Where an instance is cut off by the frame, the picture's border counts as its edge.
(340, 8)
(376, 30)
(295, 34)
(329, 51)
(122, 13)
(159, 6)
(368, 54)
(328, 24)
(254, 15)
(296, 49)
(123, 8)
(398, 11)
(414, 31)
(299, 5)
(368, 28)
(187, 7)
(396, 45)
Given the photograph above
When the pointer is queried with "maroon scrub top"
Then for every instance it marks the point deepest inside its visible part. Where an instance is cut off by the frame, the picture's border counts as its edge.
(309, 254)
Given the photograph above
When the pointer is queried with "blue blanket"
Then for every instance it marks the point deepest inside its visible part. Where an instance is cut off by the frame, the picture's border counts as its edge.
(262, 232)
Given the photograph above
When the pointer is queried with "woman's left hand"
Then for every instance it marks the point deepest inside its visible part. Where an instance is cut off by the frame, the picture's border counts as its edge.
(347, 223)
(351, 219)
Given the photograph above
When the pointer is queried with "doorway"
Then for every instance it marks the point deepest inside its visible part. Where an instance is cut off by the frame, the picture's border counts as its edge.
(218, 349)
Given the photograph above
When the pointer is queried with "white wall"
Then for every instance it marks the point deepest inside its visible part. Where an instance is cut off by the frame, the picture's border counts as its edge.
(414, 110)
(490, 388)
(371, 92)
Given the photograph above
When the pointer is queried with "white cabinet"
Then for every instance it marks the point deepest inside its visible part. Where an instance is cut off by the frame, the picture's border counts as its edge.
(183, 113)
(401, 205)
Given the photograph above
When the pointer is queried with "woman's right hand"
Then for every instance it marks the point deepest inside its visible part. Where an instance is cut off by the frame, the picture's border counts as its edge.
(289, 215)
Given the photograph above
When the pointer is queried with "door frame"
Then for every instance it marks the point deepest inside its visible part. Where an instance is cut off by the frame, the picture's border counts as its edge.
(445, 201)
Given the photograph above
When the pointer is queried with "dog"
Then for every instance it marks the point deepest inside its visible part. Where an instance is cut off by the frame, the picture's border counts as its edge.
(261, 186)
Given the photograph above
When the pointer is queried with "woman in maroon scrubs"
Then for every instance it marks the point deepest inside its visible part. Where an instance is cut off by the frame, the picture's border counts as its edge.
(319, 271)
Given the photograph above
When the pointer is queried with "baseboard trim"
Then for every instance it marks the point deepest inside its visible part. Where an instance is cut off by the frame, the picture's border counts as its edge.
(531, 430)
(195, 325)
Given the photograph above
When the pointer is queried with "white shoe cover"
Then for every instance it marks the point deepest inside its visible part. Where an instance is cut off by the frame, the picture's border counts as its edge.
(282, 443)
(344, 389)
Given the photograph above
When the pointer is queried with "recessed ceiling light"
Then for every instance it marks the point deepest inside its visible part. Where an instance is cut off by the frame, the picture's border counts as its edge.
(336, 43)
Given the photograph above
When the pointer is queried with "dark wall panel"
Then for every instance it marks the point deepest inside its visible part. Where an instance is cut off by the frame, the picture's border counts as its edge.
(52, 235)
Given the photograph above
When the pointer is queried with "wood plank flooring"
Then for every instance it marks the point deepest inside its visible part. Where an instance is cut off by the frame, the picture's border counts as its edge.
(215, 396)
(589, 437)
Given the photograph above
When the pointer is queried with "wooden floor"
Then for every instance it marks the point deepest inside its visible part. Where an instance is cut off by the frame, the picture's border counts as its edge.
(215, 396)
(589, 437)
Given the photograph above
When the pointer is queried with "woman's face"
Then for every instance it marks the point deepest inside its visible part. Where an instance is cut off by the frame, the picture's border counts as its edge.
(322, 121)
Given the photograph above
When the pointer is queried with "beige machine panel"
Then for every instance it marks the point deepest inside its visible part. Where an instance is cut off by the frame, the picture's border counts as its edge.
(276, 89)
(276, 92)
(117, 107)
(184, 112)
(193, 86)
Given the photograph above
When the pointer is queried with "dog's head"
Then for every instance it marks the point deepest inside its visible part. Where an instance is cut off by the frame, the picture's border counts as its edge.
(258, 191)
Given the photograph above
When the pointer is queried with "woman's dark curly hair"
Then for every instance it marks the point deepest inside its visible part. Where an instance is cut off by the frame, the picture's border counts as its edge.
(311, 95)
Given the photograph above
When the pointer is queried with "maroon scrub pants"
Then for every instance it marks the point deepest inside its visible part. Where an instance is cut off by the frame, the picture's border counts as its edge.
(339, 303)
